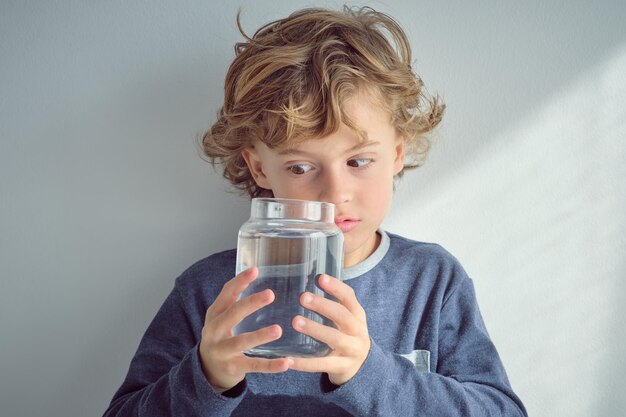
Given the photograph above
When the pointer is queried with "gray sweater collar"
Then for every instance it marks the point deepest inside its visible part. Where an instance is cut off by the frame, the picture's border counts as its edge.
(371, 261)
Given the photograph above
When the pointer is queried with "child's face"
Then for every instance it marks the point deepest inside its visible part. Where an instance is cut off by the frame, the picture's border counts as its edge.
(357, 177)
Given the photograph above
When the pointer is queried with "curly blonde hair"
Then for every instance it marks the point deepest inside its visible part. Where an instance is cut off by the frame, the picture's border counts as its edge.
(288, 83)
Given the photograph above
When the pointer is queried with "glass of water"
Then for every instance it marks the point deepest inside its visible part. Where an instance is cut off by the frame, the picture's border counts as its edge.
(291, 242)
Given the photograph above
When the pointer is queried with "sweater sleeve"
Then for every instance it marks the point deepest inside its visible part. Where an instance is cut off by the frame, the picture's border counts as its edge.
(469, 380)
(165, 377)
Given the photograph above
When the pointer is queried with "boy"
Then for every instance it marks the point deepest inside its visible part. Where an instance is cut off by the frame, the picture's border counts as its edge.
(321, 106)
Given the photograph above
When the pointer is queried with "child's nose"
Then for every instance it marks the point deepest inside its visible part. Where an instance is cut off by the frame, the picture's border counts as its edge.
(335, 188)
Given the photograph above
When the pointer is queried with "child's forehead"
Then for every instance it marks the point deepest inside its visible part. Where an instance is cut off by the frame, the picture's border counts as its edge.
(328, 147)
(343, 137)
(318, 146)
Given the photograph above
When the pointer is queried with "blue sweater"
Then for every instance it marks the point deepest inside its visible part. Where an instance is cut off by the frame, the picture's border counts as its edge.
(430, 353)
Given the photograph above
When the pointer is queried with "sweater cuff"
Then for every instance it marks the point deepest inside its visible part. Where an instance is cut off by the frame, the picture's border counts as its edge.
(201, 392)
(355, 394)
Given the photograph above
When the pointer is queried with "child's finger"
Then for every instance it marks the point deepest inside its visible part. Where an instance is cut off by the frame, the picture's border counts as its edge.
(231, 291)
(241, 309)
(266, 366)
(329, 335)
(246, 341)
(343, 318)
(343, 293)
(316, 364)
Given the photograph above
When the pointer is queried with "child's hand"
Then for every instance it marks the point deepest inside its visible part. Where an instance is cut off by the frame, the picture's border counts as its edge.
(350, 341)
(221, 353)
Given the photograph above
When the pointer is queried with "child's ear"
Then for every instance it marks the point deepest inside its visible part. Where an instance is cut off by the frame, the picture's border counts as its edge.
(255, 165)
(398, 162)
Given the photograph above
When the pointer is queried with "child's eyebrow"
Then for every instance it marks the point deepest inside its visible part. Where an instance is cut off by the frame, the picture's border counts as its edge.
(292, 151)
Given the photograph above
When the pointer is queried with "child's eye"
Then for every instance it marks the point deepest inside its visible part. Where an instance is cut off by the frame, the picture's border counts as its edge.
(359, 163)
(299, 169)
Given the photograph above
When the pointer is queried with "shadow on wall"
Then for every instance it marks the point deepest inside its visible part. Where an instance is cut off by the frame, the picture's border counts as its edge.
(538, 218)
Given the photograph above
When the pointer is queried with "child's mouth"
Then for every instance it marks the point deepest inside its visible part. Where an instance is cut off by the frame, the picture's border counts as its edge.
(346, 225)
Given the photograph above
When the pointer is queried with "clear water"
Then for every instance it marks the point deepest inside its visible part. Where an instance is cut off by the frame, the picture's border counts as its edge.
(289, 263)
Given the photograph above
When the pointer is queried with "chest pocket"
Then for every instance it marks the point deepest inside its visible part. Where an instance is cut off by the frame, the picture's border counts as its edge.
(420, 359)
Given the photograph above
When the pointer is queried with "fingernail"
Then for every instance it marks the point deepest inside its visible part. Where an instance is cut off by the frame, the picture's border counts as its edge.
(289, 362)
(307, 299)
(299, 322)
(324, 279)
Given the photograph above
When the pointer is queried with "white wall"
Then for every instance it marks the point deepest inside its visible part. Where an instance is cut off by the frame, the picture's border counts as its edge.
(104, 199)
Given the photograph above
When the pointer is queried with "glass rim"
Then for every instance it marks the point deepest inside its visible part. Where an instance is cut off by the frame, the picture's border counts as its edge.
(292, 209)
(292, 200)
